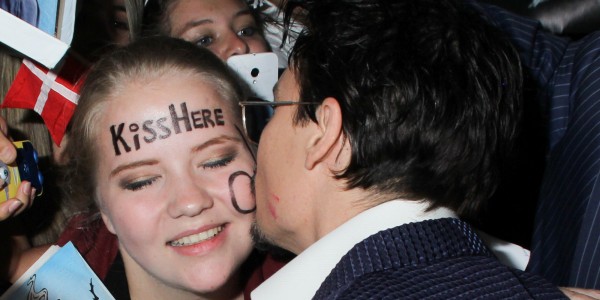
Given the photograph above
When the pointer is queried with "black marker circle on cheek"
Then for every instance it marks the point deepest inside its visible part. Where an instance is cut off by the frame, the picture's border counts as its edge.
(234, 201)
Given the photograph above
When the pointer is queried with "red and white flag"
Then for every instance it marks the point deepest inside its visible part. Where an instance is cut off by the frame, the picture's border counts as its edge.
(53, 96)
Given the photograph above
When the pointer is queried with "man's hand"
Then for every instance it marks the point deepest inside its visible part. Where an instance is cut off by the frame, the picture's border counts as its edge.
(25, 194)
(581, 294)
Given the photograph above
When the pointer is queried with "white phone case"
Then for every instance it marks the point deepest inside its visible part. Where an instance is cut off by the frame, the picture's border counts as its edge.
(259, 71)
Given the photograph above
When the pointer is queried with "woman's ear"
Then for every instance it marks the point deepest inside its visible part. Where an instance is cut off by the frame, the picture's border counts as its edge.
(328, 139)
(108, 223)
(58, 151)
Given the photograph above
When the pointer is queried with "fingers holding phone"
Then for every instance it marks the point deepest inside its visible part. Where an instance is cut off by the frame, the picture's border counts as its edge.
(22, 200)
(20, 181)
(8, 152)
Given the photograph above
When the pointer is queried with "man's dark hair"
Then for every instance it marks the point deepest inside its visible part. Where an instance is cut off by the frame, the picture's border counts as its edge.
(430, 94)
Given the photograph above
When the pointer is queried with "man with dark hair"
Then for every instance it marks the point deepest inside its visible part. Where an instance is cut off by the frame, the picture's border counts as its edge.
(402, 113)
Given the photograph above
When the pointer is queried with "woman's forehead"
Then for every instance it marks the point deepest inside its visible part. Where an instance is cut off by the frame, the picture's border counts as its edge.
(206, 7)
(175, 120)
(184, 11)
(160, 110)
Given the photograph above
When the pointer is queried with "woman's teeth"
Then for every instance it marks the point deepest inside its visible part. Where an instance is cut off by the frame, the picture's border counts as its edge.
(197, 238)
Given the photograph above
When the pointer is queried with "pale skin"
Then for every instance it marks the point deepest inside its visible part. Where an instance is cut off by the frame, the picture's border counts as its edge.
(176, 189)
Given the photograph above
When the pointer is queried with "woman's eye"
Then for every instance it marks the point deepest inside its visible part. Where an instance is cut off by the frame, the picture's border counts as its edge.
(223, 162)
(139, 184)
(204, 41)
(120, 25)
(248, 31)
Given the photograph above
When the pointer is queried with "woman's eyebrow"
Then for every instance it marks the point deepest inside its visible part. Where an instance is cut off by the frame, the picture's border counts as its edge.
(132, 165)
(215, 141)
(192, 24)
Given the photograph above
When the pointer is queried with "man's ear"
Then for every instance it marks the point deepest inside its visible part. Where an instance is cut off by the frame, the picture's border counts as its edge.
(328, 139)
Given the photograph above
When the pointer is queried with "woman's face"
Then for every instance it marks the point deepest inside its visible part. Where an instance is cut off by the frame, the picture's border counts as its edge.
(167, 152)
(226, 27)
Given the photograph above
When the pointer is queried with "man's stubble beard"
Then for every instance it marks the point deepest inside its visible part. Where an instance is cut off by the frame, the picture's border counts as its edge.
(263, 243)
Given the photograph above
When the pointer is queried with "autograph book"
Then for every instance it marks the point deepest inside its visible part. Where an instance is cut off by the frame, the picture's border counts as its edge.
(60, 273)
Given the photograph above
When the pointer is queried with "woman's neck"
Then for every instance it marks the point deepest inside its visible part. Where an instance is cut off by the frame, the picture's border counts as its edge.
(147, 287)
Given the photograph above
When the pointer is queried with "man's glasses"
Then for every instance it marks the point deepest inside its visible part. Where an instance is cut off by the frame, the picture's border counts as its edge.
(253, 128)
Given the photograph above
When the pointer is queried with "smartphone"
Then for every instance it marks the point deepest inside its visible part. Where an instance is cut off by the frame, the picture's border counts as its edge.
(25, 168)
(259, 71)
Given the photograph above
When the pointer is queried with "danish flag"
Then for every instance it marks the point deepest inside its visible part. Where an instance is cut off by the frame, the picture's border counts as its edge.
(53, 96)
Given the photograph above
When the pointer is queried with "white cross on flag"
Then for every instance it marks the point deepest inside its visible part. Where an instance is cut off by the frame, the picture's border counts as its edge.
(53, 96)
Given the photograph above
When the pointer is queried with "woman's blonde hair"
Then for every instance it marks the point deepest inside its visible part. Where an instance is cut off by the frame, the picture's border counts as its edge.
(135, 13)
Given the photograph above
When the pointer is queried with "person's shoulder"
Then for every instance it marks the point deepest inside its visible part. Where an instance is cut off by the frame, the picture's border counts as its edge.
(468, 276)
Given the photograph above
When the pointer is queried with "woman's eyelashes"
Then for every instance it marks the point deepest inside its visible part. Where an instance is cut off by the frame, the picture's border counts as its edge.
(218, 163)
(204, 41)
(138, 184)
(120, 25)
(247, 31)
(141, 182)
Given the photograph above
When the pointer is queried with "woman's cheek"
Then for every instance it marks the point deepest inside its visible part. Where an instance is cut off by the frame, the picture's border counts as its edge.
(241, 190)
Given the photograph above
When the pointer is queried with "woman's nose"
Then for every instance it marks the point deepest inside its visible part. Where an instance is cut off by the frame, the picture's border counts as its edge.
(189, 199)
(232, 45)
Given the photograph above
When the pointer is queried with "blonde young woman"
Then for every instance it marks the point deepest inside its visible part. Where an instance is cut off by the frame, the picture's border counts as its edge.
(161, 159)
(226, 27)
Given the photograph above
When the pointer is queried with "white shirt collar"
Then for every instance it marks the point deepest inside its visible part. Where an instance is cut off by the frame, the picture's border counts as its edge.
(301, 278)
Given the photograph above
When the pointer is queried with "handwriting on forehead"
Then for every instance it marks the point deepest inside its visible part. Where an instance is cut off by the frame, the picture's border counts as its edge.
(175, 122)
